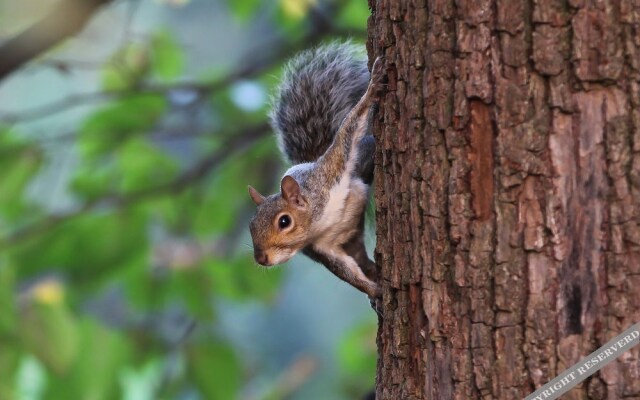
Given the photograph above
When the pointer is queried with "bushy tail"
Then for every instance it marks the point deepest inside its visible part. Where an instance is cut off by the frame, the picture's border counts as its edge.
(318, 88)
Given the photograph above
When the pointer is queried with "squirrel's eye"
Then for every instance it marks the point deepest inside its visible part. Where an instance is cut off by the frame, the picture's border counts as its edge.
(284, 221)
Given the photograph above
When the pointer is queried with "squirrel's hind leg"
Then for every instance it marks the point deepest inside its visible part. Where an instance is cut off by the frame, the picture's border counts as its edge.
(344, 267)
(356, 249)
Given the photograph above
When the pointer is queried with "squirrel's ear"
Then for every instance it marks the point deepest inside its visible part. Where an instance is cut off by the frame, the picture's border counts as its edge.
(255, 196)
(291, 191)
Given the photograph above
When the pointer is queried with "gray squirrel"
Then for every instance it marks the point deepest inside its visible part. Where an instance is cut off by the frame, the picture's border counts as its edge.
(321, 116)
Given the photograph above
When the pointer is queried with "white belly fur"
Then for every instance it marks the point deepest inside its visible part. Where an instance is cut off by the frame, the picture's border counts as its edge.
(339, 220)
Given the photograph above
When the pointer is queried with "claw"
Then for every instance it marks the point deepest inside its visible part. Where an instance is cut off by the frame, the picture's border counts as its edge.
(374, 303)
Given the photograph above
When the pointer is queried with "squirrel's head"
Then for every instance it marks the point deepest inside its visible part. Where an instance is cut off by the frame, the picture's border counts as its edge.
(280, 226)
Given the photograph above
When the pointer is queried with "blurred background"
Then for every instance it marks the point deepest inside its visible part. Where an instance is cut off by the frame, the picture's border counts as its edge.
(126, 267)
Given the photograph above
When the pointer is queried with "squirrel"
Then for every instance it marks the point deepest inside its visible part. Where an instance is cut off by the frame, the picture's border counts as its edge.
(321, 115)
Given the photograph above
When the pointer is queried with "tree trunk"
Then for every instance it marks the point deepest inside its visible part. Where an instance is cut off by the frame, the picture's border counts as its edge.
(507, 194)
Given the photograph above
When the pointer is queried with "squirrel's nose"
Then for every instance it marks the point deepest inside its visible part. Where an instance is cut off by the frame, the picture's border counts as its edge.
(261, 257)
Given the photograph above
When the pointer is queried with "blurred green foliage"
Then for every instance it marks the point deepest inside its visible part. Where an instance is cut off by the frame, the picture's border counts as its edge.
(155, 227)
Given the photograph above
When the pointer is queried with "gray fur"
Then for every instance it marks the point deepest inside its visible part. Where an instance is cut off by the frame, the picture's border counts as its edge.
(321, 115)
(319, 87)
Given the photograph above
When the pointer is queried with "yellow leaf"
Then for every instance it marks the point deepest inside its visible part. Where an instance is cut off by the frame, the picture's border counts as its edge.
(296, 9)
(49, 291)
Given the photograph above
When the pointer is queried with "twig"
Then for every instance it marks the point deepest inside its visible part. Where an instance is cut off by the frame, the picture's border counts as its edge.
(290, 380)
(173, 352)
(198, 172)
(174, 134)
(82, 99)
(66, 19)
(134, 6)
(320, 26)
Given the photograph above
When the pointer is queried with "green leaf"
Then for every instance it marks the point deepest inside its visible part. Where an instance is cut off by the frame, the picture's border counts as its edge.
(7, 298)
(9, 363)
(290, 18)
(96, 372)
(193, 287)
(10, 350)
(167, 60)
(127, 67)
(88, 248)
(143, 165)
(108, 128)
(215, 369)
(142, 288)
(49, 331)
(10, 354)
(241, 279)
(222, 194)
(357, 355)
(354, 15)
(244, 10)
(190, 286)
(227, 190)
(170, 211)
(93, 180)
(227, 282)
(19, 163)
(357, 350)
(136, 166)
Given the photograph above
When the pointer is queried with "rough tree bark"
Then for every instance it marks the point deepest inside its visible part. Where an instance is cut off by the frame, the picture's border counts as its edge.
(507, 194)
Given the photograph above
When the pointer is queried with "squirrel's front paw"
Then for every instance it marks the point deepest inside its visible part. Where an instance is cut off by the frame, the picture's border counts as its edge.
(375, 299)
(376, 305)
(378, 75)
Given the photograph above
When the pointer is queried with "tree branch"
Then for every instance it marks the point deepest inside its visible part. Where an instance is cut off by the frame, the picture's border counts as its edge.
(198, 172)
(83, 99)
(253, 64)
(67, 18)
